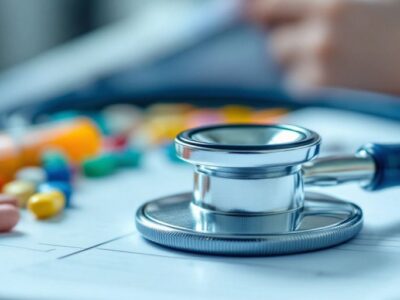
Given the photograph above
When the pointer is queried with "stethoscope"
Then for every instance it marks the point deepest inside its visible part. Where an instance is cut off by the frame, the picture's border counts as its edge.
(248, 196)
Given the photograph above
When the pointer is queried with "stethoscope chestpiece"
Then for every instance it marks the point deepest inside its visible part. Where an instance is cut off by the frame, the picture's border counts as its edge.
(248, 196)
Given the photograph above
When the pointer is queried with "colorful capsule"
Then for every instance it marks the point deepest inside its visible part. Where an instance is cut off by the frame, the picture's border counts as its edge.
(122, 119)
(205, 117)
(60, 186)
(65, 115)
(99, 166)
(9, 217)
(34, 175)
(268, 116)
(170, 152)
(54, 158)
(129, 157)
(46, 205)
(60, 173)
(8, 199)
(237, 113)
(22, 190)
(162, 128)
(115, 143)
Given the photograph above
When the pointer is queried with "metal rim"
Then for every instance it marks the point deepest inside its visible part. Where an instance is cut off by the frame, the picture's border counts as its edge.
(247, 156)
(310, 138)
(185, 239)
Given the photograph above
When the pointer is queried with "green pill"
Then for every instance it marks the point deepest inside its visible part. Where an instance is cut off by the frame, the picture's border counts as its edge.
(100, 166)
(129, 158)
(170, 153)
(54, 159)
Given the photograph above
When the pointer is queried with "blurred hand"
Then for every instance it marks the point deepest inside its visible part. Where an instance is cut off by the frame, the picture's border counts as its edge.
(336, 43)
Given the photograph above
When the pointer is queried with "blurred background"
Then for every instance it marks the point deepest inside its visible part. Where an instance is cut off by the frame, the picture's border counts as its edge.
(30, 28)
(70, 54)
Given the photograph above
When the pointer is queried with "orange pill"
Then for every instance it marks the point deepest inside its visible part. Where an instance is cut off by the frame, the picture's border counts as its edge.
(8, 199)
(9, 217)
(79, 139)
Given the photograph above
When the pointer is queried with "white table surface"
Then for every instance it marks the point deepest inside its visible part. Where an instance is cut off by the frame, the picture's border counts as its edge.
(93, 250)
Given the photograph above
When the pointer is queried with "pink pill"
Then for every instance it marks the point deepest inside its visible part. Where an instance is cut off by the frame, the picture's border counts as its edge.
(8, 199)
(9, 217)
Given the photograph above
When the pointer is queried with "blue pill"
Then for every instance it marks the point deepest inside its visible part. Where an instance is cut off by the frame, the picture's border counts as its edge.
(58, 173)
(61, 186)
(170, 152)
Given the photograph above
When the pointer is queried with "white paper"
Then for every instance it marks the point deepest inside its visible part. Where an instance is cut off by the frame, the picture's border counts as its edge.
(93, 251)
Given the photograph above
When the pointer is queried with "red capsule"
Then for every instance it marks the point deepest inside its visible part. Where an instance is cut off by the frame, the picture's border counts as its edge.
(8, 199)
(115, 143)
(9, 217)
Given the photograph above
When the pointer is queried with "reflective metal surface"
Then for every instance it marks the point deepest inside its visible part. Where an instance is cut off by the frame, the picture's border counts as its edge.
(248, 196)
(248, 135)
(322, 222)
(247, 146)
(271, 183)
(337, 170)
(240, 192)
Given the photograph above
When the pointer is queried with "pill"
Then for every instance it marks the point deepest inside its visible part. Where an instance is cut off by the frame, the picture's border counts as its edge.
(22, 190)
(237, 113)
(2, 182)
(122, 118)
(54, 158)
(99, 166)
(169, 108)
(272, 115)
(204, 117)
(59, 173)
(34, 175)
(165, 127)
(100, 121)
(46, 205)
(170, 152)
(9, 217)
(8, 199)
(60, 186)
(115, 143)
(65, 115)
(129, 157)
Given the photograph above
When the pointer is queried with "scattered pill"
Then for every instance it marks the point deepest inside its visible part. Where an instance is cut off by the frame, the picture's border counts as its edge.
(170, 152)
(99, 166)
(129, 158)
(65, 115)
(2, 182)
(170, 108)
(163, 128)
(61, 173)
(237, 113)
(115, 143)
(8, 199)
(54, 158)
(46, 205)
(271, 115)
(22, 190)
(121, 119)
(203, 117)
(9, 217)
(34, 175)
(60, 186)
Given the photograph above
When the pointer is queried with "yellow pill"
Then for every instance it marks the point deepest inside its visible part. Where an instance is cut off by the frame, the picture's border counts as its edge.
(237, 113)
(46, 205)
(22, 190)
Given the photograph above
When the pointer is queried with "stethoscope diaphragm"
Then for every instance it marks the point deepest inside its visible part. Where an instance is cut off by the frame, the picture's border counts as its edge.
(248, 196)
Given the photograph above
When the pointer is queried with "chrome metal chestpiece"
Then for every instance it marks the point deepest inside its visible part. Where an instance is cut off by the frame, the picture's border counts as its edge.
(248, 196)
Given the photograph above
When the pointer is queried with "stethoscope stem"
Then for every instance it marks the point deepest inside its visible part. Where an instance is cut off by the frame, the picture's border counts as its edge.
(330, 171)
(375, 166)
